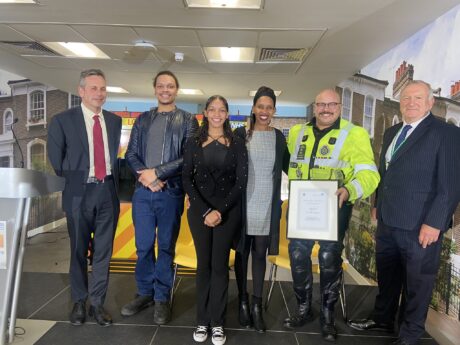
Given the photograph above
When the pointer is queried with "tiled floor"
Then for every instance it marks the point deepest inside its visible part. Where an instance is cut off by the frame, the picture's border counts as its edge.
(45, 296)
(45, 304)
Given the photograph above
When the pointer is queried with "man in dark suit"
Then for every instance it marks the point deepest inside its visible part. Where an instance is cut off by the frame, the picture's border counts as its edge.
(418, 193)
(82, 147)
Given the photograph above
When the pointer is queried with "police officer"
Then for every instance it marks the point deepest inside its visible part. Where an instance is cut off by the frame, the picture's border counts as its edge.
(329, 148)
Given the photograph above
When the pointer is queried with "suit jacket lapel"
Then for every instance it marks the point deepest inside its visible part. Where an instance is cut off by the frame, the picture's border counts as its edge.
(111, 137)
(80, 124)
(387, 142)
(418, 133)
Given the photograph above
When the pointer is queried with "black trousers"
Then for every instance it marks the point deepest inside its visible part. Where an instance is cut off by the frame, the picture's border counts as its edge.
(404, 266)
(330, 263)
(257, 246)
(97, 213)
(212, 247)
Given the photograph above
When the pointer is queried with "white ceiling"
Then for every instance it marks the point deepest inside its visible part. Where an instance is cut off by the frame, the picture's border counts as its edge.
(341, 37)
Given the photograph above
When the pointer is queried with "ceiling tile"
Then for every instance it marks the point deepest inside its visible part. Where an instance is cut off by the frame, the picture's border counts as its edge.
(53, 62)
(108, 34)
(49, 32)
(289, 38)
(194, 54)
(254, 68)
(231, 38)
(168, 37)
(105, 65)
(127, 52)
(147, 66)
(8, 34)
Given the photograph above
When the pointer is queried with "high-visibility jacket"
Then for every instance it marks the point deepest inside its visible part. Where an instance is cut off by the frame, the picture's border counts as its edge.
(342, 154)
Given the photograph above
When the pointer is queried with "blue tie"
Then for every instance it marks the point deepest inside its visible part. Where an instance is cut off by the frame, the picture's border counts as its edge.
(401, 137)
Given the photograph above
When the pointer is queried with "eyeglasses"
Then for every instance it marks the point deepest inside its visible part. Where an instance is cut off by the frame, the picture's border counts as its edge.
(331, 105)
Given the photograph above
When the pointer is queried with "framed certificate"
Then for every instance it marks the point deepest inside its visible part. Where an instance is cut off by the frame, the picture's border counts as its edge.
(313, 210)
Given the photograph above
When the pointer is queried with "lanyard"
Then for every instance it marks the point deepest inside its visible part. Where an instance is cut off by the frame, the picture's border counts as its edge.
(395, 149)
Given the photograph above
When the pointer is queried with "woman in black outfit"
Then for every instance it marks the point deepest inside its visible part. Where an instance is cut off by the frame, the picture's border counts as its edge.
(214, 177)
(262, 204)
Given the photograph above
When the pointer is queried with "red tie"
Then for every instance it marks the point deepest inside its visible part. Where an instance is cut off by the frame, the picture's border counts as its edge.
(99, 156)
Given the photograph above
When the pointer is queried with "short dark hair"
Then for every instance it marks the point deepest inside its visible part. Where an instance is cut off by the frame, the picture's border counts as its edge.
(88, 73)
(171, 74)
(264, 91)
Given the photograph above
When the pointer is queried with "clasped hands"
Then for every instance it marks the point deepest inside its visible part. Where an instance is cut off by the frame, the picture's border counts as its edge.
(150, 180)
(213, 218)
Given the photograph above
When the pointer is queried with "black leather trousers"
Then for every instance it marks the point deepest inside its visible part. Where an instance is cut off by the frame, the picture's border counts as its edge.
(330, 264)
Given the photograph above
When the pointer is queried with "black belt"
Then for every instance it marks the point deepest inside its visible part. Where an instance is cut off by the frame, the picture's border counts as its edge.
(97, 181)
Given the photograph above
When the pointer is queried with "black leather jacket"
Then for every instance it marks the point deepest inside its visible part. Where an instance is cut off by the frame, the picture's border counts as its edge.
(180, 126)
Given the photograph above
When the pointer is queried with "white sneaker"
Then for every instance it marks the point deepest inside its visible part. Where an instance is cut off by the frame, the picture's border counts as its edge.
(218, 336)
(201, 334)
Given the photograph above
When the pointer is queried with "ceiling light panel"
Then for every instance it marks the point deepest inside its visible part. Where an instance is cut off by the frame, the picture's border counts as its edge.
(226, 4)
(116, 89)
(77, 50)
(18, 1)
(190, 92)
(229, 54)
(252, 93)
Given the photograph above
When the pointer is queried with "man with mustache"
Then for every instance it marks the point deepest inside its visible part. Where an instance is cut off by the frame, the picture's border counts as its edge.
(155, 155)
(327, 148)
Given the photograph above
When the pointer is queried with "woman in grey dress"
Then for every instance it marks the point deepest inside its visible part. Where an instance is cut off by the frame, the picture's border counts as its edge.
(262, 205)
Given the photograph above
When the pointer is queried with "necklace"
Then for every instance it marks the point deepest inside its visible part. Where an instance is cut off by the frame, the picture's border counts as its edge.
(215, 138)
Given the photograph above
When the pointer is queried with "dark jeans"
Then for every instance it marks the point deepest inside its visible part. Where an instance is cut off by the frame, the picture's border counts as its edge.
(257, 246)
(330, 263)
(156, 216)
(404, 266)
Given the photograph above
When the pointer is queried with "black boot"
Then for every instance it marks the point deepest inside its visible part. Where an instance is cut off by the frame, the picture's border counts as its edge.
(330, 283)
(302, 282)
(244, 315)
(257, 315)
(301, 317)
(328, 330)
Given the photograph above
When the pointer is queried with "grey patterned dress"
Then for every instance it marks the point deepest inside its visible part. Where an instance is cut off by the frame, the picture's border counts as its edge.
(261, 150)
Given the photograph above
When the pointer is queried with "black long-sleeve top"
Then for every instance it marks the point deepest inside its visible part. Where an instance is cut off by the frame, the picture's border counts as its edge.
(221, 189)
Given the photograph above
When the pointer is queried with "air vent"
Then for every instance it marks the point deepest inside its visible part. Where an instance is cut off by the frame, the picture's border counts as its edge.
(282, 54)
(29, 48)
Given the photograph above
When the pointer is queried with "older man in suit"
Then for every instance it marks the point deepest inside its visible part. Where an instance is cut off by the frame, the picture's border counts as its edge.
(418, 193)
(82, 147)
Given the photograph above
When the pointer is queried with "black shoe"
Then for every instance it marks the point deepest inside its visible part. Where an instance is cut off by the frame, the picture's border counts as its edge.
(78, 314)
(100, 315)
(136, 305)
(371, 325)
(162, 313)
(400, 341)
(328, 330)
(302, 316)
(257, 316)
(244, 315)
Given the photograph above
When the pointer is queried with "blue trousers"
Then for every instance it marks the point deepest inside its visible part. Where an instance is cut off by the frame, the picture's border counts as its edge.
(156, 216)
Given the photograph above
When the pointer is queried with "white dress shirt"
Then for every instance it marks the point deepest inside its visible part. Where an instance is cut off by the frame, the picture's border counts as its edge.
(390, 151)
(89, 123)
